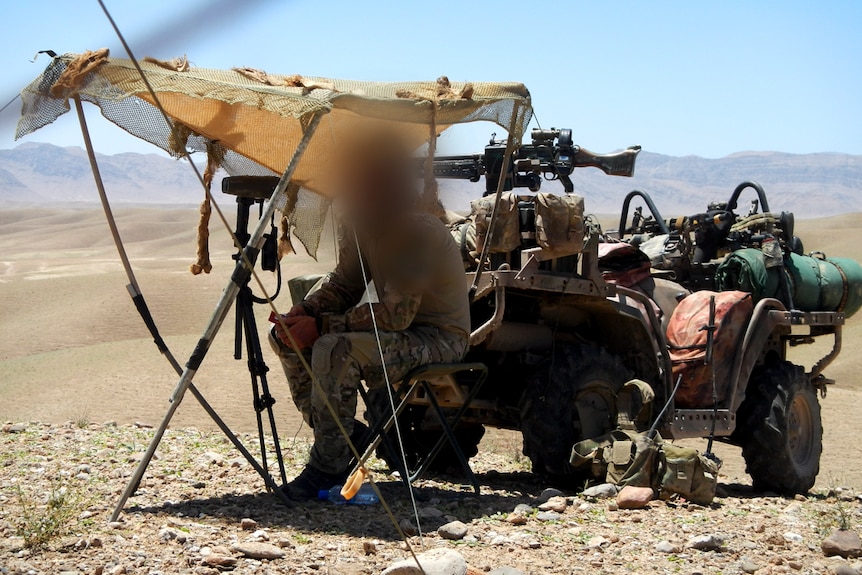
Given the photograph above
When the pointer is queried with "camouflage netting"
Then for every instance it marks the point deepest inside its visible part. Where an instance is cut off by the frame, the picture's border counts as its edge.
(253, 120)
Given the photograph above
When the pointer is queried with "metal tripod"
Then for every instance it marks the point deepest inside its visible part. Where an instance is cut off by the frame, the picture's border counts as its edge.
(247, 326)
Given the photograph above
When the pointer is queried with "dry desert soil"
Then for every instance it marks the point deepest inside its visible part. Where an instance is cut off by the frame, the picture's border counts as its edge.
(81, 383)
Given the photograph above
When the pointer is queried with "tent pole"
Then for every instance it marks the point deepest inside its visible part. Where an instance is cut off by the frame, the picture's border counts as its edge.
(241, 272)
(143, 309)
(133, 287)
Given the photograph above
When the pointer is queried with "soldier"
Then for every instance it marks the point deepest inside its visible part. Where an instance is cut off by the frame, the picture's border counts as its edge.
(415, 293)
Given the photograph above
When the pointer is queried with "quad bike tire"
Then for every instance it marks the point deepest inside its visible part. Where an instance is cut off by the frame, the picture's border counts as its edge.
(569, 398)
(783, 437)
(420, 435)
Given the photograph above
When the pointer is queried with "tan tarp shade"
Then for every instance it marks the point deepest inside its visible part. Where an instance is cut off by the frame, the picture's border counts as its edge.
(259, 117)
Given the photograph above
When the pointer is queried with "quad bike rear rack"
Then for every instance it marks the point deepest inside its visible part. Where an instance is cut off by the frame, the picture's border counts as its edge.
(768, 315)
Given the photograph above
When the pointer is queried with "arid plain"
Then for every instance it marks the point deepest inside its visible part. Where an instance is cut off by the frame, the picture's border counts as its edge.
(72, 346)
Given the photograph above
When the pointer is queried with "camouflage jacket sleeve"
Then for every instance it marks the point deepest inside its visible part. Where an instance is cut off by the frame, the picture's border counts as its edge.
(343, 287)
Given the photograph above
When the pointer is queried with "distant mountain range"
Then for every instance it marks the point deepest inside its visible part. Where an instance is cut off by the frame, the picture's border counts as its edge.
(44, 173)
(807, 184)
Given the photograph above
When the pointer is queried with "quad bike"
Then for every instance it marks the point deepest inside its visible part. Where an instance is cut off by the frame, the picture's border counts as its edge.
(564, 315)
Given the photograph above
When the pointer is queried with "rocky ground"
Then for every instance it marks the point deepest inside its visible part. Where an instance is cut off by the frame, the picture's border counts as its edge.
(202, 509)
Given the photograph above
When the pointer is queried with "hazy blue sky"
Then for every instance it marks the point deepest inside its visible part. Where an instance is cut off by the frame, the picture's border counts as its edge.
(677, 77)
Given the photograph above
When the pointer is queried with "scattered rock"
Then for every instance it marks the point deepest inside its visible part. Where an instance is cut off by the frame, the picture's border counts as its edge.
(500, 540)
(548, 494)
(597, 542)
(408, 527)
(213, 458)
(631, 497)
(257, 550)
(248, 524)
(667, 547)
(748, 566)
(792, 537)
(523, 509)
(167, 534)
(557, 504)
(221, 561)
(603, 491)
(454, 531)
(517, 519)
(548, 516)
(434, 562)
(506, 571)
(842, 569)
(842, 543)
(793, 509)
(706, 542)
(795, 565)
(14, 428)
(430, 513)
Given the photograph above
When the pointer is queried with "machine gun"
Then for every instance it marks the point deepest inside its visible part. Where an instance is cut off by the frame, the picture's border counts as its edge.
(551, 156)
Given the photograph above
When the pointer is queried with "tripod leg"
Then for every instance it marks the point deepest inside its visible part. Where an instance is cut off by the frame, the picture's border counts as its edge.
(244, 311)
(259, 369)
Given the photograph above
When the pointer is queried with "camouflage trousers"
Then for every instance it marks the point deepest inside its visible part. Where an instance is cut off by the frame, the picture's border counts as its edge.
(341, 362)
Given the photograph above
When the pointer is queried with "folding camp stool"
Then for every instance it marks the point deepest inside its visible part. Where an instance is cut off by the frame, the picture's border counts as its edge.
(424, 384)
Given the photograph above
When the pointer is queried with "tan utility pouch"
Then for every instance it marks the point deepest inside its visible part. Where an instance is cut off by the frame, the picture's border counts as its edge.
(506, 234)
(560, 223)
(685, 472)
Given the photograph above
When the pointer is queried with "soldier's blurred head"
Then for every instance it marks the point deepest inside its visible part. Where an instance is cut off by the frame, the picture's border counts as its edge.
(377, 177)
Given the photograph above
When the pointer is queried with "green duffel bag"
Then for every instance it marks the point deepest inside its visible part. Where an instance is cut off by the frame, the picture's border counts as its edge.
(745, 270)
(817, 283)
(851, 288)
(830, 284)
(804, 275)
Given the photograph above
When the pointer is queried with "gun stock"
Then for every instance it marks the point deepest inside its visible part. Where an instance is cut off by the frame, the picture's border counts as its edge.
(619, 164)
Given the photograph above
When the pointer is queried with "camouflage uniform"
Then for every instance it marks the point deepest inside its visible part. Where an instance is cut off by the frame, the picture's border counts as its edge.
(422, 314)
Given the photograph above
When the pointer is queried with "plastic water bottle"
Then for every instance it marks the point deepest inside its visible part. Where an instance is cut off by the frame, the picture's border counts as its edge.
(365, 496)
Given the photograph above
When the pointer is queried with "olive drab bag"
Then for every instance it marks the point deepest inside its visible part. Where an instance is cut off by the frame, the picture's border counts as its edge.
(506, 235)
(626, 458)
(629, 455)
(685, 472)
(560, 223)
(609, 456)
